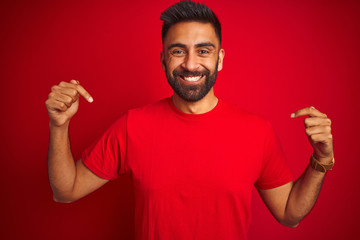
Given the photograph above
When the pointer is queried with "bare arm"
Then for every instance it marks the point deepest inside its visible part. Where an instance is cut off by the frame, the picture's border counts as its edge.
(69, 181)
(291, 202)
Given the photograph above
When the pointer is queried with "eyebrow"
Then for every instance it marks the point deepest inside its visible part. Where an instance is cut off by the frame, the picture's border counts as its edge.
(180, 45)
(204, 44)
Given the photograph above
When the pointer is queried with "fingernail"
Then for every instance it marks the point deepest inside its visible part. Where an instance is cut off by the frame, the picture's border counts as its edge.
(90, 99)
(292, 115)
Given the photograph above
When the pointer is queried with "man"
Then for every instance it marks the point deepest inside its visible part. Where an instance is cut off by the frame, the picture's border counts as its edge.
(193, 158)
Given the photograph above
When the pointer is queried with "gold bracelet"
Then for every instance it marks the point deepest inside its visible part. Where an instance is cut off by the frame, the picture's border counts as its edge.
(317, 165)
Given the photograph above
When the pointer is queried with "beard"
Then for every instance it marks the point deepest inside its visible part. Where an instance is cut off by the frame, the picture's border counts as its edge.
(192, 93)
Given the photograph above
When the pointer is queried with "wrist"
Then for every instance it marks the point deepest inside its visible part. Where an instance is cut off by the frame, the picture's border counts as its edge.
(55, 127)
(321, 166)
(324, 160)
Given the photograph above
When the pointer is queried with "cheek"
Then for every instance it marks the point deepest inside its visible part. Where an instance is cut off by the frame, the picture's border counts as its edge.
(211, 67)
(209, 63)
(172, 64)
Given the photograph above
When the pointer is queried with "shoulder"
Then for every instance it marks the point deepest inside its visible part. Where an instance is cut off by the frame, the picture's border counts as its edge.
(141, 114)
(245, 117)
(150, 108)
(150, 111)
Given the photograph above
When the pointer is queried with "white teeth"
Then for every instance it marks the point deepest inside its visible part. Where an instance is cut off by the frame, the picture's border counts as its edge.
(192, 79)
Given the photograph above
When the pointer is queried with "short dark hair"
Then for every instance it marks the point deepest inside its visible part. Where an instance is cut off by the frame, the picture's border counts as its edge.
(186, 11)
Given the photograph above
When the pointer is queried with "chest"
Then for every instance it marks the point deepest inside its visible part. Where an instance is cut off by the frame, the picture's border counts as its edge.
(193, 158)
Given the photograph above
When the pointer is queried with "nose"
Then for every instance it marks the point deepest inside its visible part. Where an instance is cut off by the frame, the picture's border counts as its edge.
(190, 62)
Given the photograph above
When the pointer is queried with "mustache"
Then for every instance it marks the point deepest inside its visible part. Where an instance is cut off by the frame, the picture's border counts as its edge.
(186, 73)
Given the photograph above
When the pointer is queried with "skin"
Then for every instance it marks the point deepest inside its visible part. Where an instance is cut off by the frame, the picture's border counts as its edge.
(290, 203)
(69, 180)
(183, 49)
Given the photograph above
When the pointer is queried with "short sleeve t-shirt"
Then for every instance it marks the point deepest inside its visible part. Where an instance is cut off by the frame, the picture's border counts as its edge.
(193, 174)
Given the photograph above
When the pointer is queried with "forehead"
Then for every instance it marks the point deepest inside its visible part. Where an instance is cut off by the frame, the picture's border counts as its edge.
(191, 33)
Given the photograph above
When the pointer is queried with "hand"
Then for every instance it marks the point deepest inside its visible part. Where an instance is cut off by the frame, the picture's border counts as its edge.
(318, 130)
(63, 101)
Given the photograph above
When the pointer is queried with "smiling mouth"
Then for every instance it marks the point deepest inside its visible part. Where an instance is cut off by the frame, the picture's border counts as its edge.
(192, 78)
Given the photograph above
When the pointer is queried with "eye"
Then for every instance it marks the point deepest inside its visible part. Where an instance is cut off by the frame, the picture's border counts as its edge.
(177, 52)
(203, 51)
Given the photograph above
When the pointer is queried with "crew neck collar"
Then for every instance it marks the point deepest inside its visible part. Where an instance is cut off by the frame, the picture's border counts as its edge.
(195, 116)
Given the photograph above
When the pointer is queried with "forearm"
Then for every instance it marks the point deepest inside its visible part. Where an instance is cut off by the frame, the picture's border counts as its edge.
(303, 195)
(291, 202)
(61, 165)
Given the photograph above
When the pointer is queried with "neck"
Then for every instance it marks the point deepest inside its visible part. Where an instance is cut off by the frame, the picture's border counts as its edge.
(204, 105)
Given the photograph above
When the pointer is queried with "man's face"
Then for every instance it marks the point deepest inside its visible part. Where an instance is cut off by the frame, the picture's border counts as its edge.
(191, 58)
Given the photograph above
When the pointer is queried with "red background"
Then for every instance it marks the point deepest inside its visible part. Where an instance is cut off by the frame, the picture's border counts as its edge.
(280, 56)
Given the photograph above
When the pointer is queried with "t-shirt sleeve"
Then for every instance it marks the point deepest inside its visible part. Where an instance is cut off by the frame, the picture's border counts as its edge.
(106, 156)
(274, 170)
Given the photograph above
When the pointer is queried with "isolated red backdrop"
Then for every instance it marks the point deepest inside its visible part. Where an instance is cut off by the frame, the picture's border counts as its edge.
(280, 56)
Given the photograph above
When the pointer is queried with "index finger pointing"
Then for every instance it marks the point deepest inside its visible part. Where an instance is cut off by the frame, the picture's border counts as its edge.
(84, 93)
(309, 111)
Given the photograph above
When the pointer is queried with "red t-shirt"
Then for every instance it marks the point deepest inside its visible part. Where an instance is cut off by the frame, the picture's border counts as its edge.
(193, 174)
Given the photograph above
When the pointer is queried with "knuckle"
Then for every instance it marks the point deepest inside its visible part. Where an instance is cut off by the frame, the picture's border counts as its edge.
(52, 95)
(307, 131)
(69, 100)
(54, 88)
(73, 92)
(327, 128)
(62, 106)
(74, 98)
(62, 83)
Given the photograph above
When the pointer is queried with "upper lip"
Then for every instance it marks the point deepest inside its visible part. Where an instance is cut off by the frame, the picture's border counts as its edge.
(200, 75)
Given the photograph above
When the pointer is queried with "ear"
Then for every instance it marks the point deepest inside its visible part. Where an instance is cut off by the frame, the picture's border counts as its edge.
(221, 59)
(162, 60)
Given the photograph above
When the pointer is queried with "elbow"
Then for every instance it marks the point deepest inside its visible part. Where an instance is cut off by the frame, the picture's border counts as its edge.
(291, 223)
(64, 196)
(62, 199)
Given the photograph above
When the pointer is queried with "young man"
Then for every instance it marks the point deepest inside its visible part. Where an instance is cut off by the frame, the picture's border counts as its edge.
(193, 158)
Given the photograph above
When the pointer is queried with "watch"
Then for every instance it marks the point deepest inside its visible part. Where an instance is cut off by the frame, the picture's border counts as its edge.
(320, 166)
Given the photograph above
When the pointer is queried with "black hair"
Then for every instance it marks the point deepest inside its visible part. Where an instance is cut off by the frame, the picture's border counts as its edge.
(185, 11)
